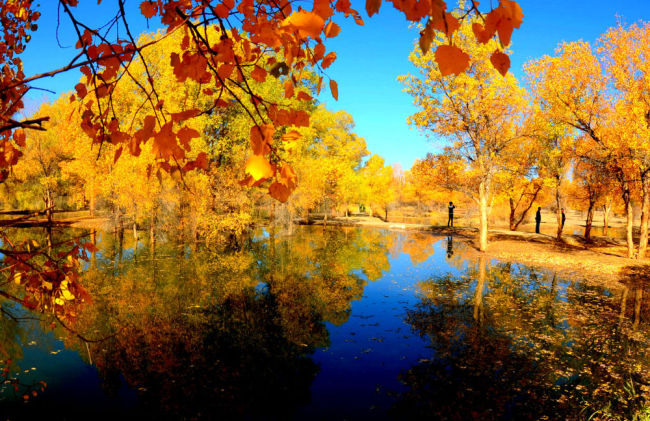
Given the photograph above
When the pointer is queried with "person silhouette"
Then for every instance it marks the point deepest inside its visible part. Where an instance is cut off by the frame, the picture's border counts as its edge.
(538, 219)
(563, 218)
(450, 246)
(450, 221)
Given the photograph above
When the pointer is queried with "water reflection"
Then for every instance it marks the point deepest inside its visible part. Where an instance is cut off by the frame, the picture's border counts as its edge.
(180, 331)
(450, 246)
(511, 342)
(232, 329)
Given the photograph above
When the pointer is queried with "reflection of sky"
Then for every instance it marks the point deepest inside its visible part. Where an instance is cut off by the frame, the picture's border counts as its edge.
(375, 345)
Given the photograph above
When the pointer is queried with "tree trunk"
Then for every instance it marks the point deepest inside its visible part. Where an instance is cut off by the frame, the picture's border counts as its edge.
(91, 202)
(135, 235)
(621, 315)
(530, 205)
(49, 206)
(558, 212)
(607, 207)
(386, 214)
(629, 211)
(152, 234)
(93, 255)
(478, 294)
(645, 207)
(483, 210)
(590, 220)
(638, 299)
(512, 215)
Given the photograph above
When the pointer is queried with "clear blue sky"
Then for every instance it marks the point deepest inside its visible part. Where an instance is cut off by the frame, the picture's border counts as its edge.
(370, 58)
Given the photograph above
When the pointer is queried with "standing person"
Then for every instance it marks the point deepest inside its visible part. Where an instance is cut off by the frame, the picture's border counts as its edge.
(450, 221)
(563, 218)
(538, 219)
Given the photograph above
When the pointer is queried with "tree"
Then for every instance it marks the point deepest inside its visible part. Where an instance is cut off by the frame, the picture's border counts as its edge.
(281, 43)
(44, 153)
(478, 112)
(519, 182)
(599, 99)
(327, 159)
(379, 184)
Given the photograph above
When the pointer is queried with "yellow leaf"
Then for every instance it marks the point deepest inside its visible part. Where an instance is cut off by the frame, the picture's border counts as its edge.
(258, 167)
(65, 292)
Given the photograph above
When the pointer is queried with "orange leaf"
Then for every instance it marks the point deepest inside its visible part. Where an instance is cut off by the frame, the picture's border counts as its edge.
(288, 177)
(258, 167)
(500, 61)
(221, 11)
(268, 130)
(225, 70)
(250, 181)
(481, 34)
(328, 60)
(85, 40)
(447, 25)
(426, 37)
(19, 137)
(334, 87)
(201, 161)
(332, 30)
(118, 152)
(165, 145)
(279, 191)
(148, 8)
(291, 136)
(303, 96)
(300, 118)
(372, 6)
(258, 74)
(185, 115)
(451, 60)
(512, 12)
(185, 135)
(261, 138)
(308, 24)
(323, 9)
(288, 89)
(319, 51)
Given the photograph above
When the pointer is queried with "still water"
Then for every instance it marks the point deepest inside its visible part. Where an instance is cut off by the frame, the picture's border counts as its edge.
(328, 324)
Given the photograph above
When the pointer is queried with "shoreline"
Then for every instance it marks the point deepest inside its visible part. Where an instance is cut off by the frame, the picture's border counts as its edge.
(602, 262)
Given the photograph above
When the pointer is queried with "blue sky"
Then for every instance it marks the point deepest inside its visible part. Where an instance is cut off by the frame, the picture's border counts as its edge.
(370, 58)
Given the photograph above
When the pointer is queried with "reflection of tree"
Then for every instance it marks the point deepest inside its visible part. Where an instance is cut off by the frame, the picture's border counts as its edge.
(41, 274)
(509, 343)
(223, 333)
(419, 246)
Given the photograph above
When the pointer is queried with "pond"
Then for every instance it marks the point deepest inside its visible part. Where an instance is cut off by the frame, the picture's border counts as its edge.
(326, 323)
